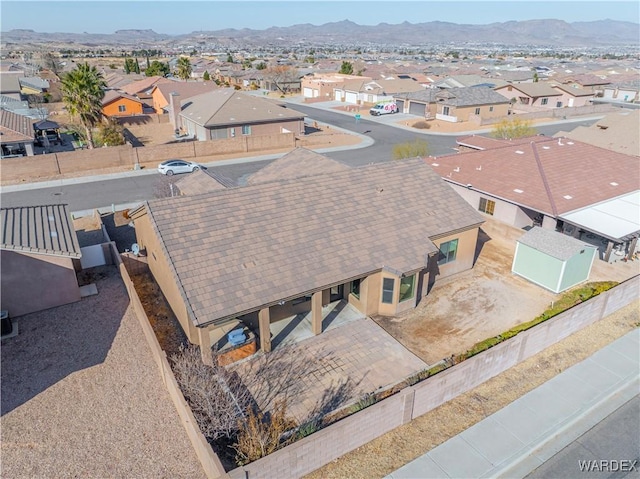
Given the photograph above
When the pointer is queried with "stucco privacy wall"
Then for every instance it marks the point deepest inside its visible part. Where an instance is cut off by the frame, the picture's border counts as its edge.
(127, 156)
(330, 443)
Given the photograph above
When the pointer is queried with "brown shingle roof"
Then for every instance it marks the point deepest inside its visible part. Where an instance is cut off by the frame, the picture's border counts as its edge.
(111, 95)
(236, 250)
(198, 183)
(296, 164)
(143, 85)
(15, 127)
(229, 107)
(39, 229)
(553, 176)
(617, 132)
(533, 90)
(184, 89)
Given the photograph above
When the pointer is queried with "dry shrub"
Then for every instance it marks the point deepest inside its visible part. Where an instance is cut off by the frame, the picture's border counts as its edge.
(216, 397)
(261, 434)
(422, 125)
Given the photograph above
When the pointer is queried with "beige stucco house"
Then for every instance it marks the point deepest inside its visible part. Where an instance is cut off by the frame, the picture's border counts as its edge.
(455, 104)
(40, 254)
(228, 113)
(376, 236)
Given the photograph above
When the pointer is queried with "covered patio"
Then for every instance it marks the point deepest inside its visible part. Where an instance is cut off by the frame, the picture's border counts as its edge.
(296, 328)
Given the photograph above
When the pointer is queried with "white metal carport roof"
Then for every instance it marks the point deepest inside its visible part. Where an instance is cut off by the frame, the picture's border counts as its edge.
(616, 219)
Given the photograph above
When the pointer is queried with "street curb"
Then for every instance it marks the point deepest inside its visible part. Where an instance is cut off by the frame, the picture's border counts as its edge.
(527, 459)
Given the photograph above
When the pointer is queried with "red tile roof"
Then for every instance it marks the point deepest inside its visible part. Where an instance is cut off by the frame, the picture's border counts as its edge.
(552, 176)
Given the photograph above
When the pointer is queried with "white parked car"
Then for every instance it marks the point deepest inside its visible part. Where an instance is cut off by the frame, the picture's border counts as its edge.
(172, 167)
(383, 109)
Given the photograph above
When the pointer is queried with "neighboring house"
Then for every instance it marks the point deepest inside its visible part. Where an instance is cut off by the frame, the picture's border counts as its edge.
(360, 92)
(33, 86)
(462, 81)
(116, 80)
(22, 108)
(622, 93)
(16, 134)
(552, 260)
(455, 104)
(40, 254)
(116, 103)
(10, 85)
(375, 236)
(579, 189)
(161, 93)
(143, 88)
(539, 94)
(593, 83)
(227, 113)
(617, 131)
(573, 96)
(322, 85)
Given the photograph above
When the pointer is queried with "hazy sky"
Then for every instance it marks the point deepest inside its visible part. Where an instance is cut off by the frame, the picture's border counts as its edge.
(175, 17)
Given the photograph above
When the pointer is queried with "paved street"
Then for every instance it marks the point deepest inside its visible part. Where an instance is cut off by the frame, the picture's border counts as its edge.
(136, 186)
(534, 428)
(609, 449)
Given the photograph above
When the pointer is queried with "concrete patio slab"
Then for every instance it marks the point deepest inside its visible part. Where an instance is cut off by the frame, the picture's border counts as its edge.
(330, 370)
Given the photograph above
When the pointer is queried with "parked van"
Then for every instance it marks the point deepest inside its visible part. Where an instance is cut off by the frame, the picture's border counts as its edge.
(383, 109)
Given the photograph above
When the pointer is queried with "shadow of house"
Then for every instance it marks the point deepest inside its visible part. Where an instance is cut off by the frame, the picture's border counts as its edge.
(53, 344)
(40, 255)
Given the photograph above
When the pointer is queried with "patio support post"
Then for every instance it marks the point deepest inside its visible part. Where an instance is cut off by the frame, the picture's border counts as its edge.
(316, 312)
(264, 320)
(205, 346)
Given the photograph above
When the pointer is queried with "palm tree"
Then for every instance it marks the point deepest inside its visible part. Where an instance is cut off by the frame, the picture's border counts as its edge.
(82, 93)
(183, 69)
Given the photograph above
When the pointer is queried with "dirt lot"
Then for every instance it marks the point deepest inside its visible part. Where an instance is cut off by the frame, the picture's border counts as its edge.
(470, 306)
(82, 396)
(483, 302)
(402, 445)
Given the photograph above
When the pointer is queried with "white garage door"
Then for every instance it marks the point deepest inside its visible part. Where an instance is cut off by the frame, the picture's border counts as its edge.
(352, 98)
(308, 92)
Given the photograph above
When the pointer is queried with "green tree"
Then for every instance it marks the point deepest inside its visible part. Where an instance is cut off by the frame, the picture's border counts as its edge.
(148, 63)
(206, 76)
(129, 65)
(261, 66)
(137, 67)
(157, 68)
(410, 149)
(229, 58)
(82, 93)
(183, 68)
(510, 129)
(109, 134)
(346, 68)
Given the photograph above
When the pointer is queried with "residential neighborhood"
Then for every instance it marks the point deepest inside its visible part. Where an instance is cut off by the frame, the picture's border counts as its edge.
(316, 260)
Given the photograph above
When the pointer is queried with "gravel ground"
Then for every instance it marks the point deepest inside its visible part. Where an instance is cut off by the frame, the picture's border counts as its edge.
(82, 397)
(387, 453)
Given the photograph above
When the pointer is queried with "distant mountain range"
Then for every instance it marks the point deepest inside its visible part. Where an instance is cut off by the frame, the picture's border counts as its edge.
(549, 33)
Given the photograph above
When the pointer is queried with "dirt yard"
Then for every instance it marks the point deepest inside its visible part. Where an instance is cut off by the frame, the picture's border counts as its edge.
(402, 445)
(470, 306)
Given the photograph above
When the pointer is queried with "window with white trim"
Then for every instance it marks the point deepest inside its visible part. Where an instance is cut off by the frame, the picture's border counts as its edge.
(487, 206)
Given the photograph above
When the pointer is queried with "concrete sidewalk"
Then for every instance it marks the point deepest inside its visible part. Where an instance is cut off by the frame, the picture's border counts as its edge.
(523, 435)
